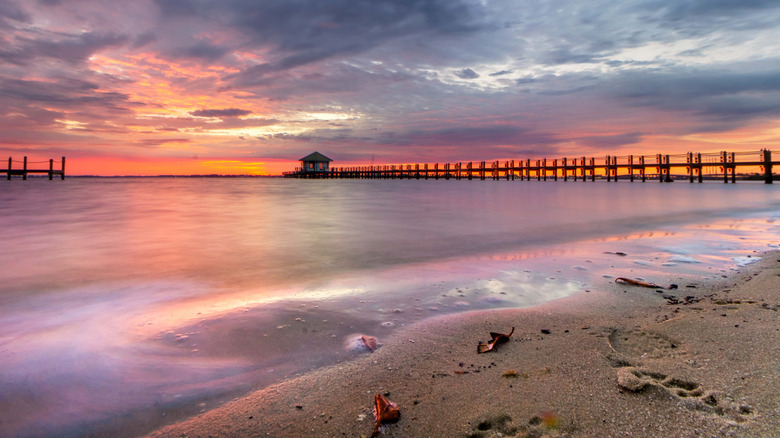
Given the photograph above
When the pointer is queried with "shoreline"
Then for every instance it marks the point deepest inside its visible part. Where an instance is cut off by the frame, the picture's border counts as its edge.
(618, 361)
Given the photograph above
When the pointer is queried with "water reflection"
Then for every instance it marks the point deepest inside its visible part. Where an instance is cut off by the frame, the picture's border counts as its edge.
(142, 300)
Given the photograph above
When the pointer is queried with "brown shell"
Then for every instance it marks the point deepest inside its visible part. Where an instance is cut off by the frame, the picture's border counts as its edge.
(385, 411)
(370, 342)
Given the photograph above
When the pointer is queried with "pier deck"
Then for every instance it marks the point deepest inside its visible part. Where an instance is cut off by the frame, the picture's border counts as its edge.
(631, 167)
(24, 170)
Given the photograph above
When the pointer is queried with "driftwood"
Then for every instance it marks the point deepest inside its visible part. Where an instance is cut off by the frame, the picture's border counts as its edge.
(641, 283)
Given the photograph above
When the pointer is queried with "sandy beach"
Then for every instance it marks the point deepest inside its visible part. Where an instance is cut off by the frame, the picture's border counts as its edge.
(617, 360)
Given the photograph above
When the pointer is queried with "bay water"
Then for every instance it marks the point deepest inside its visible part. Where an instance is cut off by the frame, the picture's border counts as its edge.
(129, 303)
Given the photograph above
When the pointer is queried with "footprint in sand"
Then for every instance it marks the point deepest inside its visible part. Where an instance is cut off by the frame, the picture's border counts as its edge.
(689, 394)
(632, 345)
(503, 426)
(638, 343)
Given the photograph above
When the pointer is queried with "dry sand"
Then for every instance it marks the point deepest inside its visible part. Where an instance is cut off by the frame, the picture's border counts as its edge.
(621, 361)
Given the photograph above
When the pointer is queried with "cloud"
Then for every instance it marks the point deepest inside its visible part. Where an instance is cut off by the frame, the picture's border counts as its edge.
(467, 73)
(458, 78)
(162, 141)
(230, 112)
(301, 32)
(501, 73)
(68, 48)
(10, 11)
(202, 51)
(610, 142)
(708, 93)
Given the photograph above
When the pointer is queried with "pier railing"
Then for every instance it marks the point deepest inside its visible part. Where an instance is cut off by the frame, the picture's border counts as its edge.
(23, 170)
(694, 166)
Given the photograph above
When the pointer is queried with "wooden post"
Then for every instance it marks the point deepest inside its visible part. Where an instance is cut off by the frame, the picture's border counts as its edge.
(615, 168)
(701, 167)
(51, 169)
(733, 168)
(767, 166)
(24, 169)
(10, 162)
(689, 160)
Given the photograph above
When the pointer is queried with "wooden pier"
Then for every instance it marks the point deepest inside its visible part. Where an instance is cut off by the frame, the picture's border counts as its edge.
(612, 168)
(24, 170)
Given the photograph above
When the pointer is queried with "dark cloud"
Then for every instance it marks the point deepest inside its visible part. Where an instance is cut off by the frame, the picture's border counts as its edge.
(696, 18)
(71, 49)
(11, 11)
(144, 40)
(230, 112)
(692, 84)
(501, 73)
(470, 136)
(732, 97)
(692, 9)
(65, 92)
(301, 32)
(565, 55)
(467, 73)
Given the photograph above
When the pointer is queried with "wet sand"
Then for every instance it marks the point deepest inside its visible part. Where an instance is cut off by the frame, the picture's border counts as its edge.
(618, 360)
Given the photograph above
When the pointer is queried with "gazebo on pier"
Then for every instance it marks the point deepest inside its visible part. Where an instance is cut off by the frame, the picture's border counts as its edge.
(315, 163)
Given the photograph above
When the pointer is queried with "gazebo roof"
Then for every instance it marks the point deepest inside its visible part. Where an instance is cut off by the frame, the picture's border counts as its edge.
(316, 157)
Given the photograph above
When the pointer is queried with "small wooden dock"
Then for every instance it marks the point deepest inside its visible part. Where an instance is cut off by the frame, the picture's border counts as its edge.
(694, 167)
(23, 168)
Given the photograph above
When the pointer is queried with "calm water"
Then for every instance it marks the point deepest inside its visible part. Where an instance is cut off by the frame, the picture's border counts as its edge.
(126, 304)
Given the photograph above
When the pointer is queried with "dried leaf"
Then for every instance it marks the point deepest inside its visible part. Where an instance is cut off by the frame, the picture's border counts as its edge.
(370, 342)
(497, 338)
(385, 411)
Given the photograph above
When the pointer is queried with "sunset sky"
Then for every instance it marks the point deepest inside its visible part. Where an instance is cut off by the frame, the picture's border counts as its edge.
(149, 87)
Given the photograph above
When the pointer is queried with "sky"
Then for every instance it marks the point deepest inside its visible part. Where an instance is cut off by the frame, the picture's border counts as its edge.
(149, 87)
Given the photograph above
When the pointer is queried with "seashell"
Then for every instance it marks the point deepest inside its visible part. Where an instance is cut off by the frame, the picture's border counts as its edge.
(370, 342)
(384, 411)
